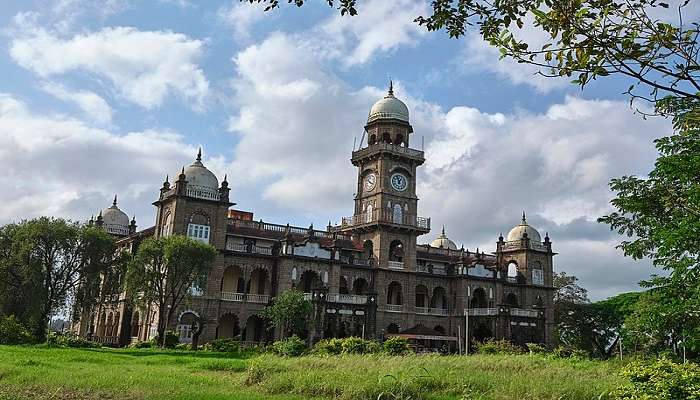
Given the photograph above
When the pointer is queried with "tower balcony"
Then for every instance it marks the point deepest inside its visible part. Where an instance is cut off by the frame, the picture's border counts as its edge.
(386, 217)
(388, 148)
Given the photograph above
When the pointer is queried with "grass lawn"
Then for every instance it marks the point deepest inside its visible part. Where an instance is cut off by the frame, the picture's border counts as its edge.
(43, 373)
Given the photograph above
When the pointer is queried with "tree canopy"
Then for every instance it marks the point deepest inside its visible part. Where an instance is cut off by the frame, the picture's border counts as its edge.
(289, 311)
(165, 270)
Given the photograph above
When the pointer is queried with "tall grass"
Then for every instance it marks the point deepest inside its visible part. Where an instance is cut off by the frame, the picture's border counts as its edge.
(41, 373)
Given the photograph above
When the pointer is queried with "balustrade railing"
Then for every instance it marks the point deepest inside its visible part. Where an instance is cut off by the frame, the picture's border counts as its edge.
(387, 216)
(519, 312)
(241, 297)
(232, 296)
(258, 298)
(395, 264)
(389, 147)
(294, 230)
(431, 311)
(477, 312)
(202, 192)
(346, 298)
(248, 248)
(393, 307)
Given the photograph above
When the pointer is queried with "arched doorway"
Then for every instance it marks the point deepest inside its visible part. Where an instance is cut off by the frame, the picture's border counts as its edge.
(310, 281)
(394, 294)
(421, 296)
(257, 284)
(184, 326)
(360, 287)
(512, 300)
(228, 326)
(255, 329)
(479, 299)
(343, 285)
(233, 281)
(439, 299)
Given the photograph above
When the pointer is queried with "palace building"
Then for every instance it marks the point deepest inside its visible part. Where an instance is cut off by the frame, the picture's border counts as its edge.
(367, 276)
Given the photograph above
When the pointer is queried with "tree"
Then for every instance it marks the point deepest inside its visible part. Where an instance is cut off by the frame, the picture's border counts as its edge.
(165, 270)
(586, 39)
(46, 260)
(289, 311)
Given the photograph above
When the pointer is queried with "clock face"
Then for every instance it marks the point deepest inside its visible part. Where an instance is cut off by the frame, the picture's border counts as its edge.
(370, 182)
(399, 182)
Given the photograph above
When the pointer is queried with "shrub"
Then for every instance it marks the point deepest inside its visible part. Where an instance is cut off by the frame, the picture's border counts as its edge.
(183, 346)
(497, 347)
(146, 344)
(397, 346)
(354, 345)
(289, 347)
(535, 348)
(662, 379)
(332, 346)
(171, 340)
(13, 332)
(57, 339)
(227, 345)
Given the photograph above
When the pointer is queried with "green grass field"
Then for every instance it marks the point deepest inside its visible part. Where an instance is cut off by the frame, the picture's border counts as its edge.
(44, 373)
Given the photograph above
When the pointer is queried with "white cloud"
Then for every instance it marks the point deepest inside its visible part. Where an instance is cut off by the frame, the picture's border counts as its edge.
(380, 26)
(57, 165)
(241, 16)
(145, 67)
(94, 106)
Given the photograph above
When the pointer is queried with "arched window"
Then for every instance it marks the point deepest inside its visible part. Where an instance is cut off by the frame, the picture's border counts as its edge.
(167, 221)
(399, 139)
(398, 214)
(367, 249)
(368, 215)
(396, 251)
(360, 286)
(512, 300)
(233, 281)
(386, 137)
(310, 281)
(294, 273)
(343, 285)
(537, 274)
(512, 271)
(479, 299)
(439, 299)
(198, 232)
(372, 139)
(258, 282)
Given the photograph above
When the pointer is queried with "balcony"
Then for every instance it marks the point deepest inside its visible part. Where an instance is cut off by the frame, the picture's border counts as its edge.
(386, 216)
(481, 312)
(388, 148)
(202, 192)
(519, 312)
(393, 308)
(346, 298)
(243, 297)
(248, 248)
(395, 265)
(431, 311)
(355, 261)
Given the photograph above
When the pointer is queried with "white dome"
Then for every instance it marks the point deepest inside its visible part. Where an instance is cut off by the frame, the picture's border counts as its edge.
(443, 242)
(201, 182)
(388, 108)
(517, 232)
(114, 220)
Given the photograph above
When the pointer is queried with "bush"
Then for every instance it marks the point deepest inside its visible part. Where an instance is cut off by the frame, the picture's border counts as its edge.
(497, 347)
(171, 340)
(662, 379)
(397, 346)
(57, 339)
(227, 345)
(289, 347)
(535, 348)
(570, 352)
(13, 332)
(183, 346)
(332, 346)
(146, 344)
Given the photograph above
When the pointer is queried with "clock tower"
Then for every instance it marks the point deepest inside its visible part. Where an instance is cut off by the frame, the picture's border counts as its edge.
(386, 217)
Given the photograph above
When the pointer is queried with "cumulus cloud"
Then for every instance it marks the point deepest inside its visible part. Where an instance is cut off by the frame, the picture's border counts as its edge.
(94, 106)
(241, 16)
(380, 26)
(58, 165)
(145, 67)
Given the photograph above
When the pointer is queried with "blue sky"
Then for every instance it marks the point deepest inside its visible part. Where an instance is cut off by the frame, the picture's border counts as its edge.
(104, 97)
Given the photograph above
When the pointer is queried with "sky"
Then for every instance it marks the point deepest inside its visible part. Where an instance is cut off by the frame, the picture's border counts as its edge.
(107, 97)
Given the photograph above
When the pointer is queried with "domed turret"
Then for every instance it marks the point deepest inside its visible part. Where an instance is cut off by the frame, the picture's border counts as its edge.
(521, 229)
(114, 220)
(201, 182)
(443, 242)
(388, 108)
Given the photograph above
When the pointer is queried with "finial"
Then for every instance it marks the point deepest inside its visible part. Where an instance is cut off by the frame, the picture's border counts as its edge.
(199, 154)
(133, 219)
(183, 170)
(391, 87)
(524, 216)
(114, 203)
(167, 178)
(443, 230)
(225, 176)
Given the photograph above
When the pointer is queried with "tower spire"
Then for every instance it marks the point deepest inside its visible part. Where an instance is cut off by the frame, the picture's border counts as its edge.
(199, 155)
(114, 203)
(443, 230)
(391, 87)
(524, 217)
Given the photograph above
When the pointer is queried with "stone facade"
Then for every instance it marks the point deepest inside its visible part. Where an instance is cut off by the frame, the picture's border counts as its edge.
(366, 276)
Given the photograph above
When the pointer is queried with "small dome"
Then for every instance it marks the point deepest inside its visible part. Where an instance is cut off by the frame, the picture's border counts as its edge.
(200, 181)
(388, 108)
(517, 232)
(114, 220)
(443, 242)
